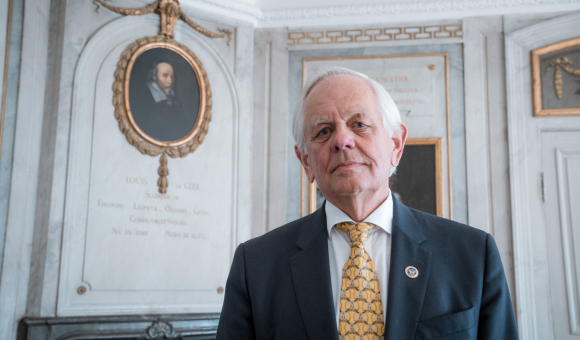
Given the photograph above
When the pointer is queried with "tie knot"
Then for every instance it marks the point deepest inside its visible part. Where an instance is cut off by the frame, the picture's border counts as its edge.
(358, 232)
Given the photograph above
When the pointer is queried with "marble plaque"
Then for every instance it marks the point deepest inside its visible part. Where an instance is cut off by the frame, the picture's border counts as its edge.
(127, 249)
(412, 82)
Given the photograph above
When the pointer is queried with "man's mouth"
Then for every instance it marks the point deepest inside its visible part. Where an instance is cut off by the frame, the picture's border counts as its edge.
(347, 165)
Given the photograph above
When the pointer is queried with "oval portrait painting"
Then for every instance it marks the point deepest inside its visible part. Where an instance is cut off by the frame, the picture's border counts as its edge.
(164, 94)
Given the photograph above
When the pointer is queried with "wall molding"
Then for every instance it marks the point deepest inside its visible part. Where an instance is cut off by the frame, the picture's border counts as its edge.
(314, 15)
(398, 8)
(564, 176)
(269, 129)
(487, 159)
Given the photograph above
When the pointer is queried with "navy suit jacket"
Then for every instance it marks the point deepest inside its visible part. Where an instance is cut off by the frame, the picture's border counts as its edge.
(279, 283)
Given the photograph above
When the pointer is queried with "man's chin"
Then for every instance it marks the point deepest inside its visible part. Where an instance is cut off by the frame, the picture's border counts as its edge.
(347, 187)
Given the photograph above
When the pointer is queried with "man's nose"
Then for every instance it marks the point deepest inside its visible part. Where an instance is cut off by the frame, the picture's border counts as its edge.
(343, 139)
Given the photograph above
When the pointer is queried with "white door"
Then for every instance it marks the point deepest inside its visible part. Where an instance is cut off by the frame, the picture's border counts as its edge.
(545, 194)
(561, 187)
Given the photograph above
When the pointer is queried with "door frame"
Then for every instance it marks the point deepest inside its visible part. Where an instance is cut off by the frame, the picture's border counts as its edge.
(524, 131)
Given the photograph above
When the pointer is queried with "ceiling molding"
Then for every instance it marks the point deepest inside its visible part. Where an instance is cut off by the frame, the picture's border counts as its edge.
(232, 6)
(402, 10)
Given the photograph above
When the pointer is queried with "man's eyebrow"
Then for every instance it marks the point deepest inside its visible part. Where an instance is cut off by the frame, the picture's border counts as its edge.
(319, 121)
(360, 111)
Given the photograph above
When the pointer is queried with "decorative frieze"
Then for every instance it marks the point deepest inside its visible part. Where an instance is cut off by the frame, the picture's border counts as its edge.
(362, 35)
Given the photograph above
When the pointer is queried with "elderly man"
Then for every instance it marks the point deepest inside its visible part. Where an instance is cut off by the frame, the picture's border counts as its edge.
(364, 266)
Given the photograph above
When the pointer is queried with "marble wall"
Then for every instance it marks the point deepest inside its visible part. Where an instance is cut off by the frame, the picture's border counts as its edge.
(269, 183)
(60, 52)
(59, 103)
(12, 62)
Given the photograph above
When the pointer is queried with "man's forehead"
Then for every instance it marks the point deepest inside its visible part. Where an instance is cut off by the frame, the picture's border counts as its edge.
(348, 95)
(165, 66)
(336, 83)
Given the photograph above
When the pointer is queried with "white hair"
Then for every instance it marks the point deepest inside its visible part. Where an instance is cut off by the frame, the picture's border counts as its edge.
(388, 109)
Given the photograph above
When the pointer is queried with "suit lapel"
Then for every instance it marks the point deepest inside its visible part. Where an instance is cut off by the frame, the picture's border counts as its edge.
(405, 294)
(311, 277)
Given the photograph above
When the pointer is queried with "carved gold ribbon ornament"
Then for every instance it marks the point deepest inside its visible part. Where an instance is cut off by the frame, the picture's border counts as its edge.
(560, 64)
(170, 12)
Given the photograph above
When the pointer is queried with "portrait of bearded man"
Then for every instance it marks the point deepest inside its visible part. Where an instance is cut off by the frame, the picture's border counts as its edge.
(156, 108)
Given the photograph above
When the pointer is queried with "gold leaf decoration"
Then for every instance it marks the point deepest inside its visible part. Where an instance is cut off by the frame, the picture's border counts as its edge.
(170, 13)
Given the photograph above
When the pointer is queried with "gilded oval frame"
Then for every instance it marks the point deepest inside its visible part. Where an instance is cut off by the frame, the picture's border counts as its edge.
(135, 136)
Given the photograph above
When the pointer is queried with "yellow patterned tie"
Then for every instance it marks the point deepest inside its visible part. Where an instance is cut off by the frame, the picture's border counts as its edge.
(361, 308)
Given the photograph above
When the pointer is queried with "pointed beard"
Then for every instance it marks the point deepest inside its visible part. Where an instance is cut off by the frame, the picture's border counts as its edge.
(168, 91)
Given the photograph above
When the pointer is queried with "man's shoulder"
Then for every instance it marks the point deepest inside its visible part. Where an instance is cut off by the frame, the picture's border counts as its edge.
(444, 228)
(452, 243)
(282, 236)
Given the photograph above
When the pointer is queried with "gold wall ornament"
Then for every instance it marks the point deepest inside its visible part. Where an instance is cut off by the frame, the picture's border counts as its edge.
(549, 56)
(560, 64)
(163, 171)
(170, 12)
(129, 113)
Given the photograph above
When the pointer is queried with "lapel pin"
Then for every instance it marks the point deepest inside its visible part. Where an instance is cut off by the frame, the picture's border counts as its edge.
(411, 272)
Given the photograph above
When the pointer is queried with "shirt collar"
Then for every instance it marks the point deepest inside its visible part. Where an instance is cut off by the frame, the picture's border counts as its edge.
(156, 92)
(382, 216)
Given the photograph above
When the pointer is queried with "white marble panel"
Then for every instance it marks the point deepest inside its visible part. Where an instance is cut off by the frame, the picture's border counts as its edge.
(9, 99)
(3, 37)
(486, 142)
(269, 130)
(137, 251)
(568, 168)
(25, 168)
(142, 229)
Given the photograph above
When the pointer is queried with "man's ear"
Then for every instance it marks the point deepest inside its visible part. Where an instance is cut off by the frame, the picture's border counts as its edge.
(399, 143)
(303, 158)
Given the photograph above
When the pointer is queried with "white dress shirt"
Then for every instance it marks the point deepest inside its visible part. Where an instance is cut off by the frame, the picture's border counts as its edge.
(378, 246)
